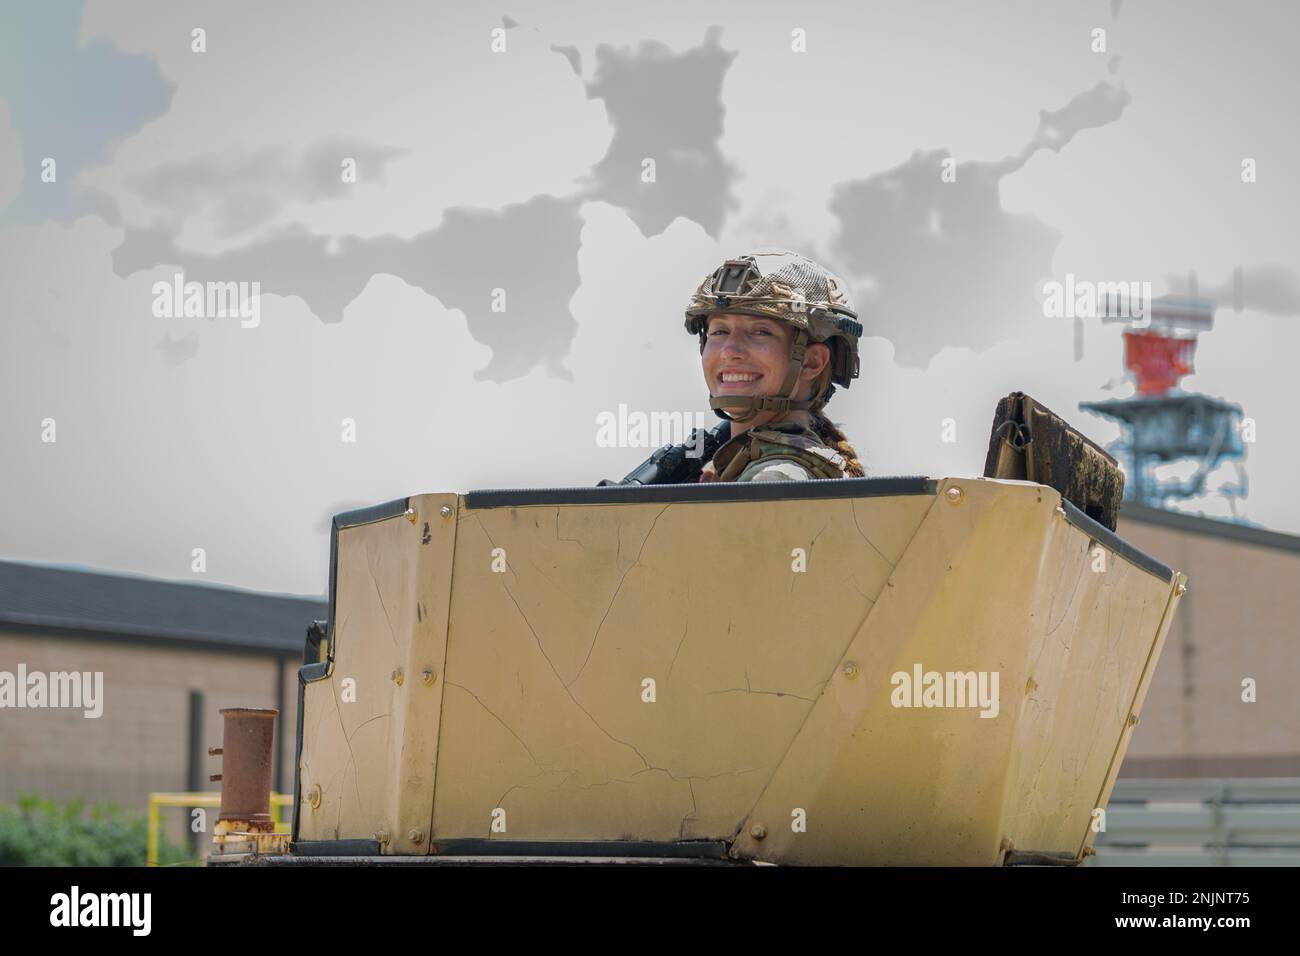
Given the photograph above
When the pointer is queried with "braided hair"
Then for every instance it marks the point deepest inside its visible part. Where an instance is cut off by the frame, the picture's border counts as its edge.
(836, 439)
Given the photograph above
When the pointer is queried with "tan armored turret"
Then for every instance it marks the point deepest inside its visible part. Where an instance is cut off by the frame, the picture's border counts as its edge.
(885, 671)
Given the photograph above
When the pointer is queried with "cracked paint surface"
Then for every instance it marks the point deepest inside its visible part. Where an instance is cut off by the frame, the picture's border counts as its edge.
(548, 723)
(349, 745)
(542, 719)
(1071, 647)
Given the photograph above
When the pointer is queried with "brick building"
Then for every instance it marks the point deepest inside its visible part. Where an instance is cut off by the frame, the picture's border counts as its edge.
(1239, 619)
(172, 655)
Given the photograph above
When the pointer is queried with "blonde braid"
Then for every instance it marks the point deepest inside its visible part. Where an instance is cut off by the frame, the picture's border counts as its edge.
(836, 439)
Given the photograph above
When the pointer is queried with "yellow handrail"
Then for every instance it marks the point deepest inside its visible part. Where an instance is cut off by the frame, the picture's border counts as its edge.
(212, 799)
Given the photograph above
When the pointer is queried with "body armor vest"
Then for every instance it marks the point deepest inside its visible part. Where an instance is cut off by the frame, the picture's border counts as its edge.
(782, 440)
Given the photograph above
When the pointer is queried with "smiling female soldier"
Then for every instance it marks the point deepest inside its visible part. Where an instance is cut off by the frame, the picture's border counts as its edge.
(777, 334)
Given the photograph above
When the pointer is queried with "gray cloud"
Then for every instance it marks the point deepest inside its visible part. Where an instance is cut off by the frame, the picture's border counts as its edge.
(71, 102)
(245, 191)
(529, 249)
(572, 54)
(176, 351)
(947, 264)
(1102, 104)
(321, 169)
(11, 158)
(666, 106)
(661, 104)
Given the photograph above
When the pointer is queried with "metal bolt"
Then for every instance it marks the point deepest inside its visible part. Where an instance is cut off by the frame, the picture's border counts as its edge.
(1180, 590)
(313, 796)
(381, 837)
(758, 831)
(849, 670)
(429, 675)
(445, 511)
(954, 495)
(398, 677)
(416, 836)
(410, 515)
(1132, 720)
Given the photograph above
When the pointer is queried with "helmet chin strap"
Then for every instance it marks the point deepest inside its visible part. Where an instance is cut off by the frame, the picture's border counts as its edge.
(753, 404)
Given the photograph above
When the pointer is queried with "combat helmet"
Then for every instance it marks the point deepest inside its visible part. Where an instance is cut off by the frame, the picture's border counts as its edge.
(783, 285)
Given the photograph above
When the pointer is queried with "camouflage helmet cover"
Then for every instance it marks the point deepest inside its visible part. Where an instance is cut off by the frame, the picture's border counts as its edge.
(783, 285)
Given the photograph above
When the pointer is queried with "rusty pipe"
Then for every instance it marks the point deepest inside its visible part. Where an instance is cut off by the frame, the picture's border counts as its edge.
(248, 742)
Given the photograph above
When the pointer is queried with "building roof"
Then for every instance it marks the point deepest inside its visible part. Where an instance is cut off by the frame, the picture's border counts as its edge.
(1214, 527)
(72, 602)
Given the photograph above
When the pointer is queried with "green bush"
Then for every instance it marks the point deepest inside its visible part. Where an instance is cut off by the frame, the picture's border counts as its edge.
(41, 832)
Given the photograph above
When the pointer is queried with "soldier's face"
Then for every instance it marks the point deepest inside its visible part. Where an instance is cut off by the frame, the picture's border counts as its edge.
(748, 355)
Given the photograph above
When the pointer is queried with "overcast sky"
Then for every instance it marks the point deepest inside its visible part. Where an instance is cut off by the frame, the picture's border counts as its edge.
(522, 170)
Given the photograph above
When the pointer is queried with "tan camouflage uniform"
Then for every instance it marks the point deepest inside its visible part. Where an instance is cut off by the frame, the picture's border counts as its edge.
(778, 451)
